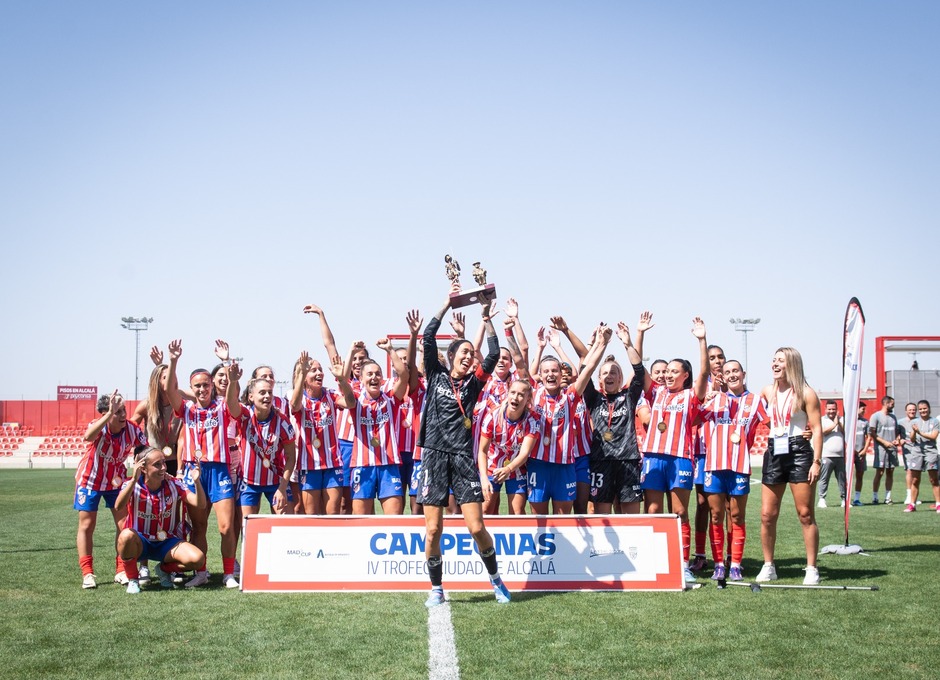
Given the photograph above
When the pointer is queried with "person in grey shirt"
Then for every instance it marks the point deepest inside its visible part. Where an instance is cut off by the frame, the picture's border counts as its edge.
(907, 449)
(862, 442)
(924, 431)
(833, 453)
(883, 427)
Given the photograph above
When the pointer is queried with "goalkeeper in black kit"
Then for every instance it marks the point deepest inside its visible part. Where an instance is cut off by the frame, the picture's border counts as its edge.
(446, 440)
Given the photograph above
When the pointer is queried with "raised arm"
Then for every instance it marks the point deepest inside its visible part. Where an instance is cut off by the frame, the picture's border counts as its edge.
(345, 389)
(429, 339)
(414, 321)
(517, 357)
(114, 403)
(492, 343)
(539, 349)
(401, 385)
(124, 497)
(555, 341)
(329, 343)
(643, 325)
(559, 324)
(701, 380)
(593, 358)
(198, 499)
(175, 350)
(512, 312)
(640, 374)
(231, 391)
(297, 393)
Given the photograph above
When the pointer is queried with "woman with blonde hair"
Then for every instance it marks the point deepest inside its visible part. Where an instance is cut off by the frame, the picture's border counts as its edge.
(792, 406)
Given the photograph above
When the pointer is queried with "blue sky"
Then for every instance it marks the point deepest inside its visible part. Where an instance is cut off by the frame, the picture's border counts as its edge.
(219, 166)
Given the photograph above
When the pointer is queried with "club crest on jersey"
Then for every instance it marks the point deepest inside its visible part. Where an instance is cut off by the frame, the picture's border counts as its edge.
(708, 478)
(82, 496)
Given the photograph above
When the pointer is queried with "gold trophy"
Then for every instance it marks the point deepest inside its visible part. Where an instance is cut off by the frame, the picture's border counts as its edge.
(464, 298)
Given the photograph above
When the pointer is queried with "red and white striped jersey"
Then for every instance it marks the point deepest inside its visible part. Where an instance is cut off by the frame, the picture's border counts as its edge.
(726, 418)
(417, 398)
(318, 448)
(281, 404)
(583, 429)
(151, 512)
(102, 467)
(407, 435)
(561, 437)
(672, 415)
(263, 441)
(345, 429)
(375, 434)
(205, 430)
(495, 391)
(506, 438)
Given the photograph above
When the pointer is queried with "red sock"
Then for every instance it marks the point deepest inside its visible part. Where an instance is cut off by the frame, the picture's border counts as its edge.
(228, 566)
(718, 543)
(130, 569)
(86, 563)
(738, 533)
(686, 536)
(119, 565)
(700, 542)
(729, 534)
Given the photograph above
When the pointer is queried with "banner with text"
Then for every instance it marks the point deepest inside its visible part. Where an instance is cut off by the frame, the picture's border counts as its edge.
(292, 553)
(68, 392)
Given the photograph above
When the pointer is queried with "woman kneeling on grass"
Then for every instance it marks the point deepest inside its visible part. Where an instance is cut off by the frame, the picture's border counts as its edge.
(154, 506)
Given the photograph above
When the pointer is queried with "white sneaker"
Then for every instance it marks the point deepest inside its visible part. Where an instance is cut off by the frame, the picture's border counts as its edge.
(229, 581)
(812, 577)
(822, 503)
(767, 573)
(121, 578)
(144, 573)
(133, 587)
(688, 576)
(842, 504)
(89, 581)
(200, 579)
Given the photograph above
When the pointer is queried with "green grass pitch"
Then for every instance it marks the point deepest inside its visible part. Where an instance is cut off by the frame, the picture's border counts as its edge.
(50, 627)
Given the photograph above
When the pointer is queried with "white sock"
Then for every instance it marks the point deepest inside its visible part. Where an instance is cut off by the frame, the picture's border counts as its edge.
(858, 496)
(907, 497)
(888, 496)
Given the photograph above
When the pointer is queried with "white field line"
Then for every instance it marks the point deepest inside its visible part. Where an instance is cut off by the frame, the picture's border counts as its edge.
(442, 651)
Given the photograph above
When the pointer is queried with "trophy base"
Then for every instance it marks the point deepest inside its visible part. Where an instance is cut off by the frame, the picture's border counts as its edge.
(465, 298)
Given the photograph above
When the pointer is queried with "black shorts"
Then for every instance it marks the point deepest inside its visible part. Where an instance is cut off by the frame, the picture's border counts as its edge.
(612, 478)
(442, 472)
(788, 468)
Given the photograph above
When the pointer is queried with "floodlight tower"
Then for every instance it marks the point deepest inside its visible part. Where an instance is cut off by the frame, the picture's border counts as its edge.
(745, 326)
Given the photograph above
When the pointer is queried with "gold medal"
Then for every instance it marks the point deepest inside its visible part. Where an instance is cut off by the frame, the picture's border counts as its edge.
(117, 480)
(467, 423)
(167, 451)
(316, 443)
(374, 441)
(662, 426)
(735, 438)
(780, 431)
(266, 463)
(608, 436)
(199, 454)
(161, 535)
